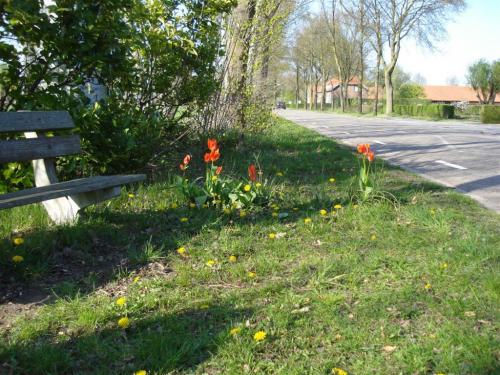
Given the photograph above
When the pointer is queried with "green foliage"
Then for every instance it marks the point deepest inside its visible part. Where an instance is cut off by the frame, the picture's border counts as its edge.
(490, 114)
(411, 91)
(436, 111)
(15, 176)
(155, 60)
(485, 79)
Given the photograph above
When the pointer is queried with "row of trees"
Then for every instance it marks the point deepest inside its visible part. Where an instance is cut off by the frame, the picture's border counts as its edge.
(349, 33)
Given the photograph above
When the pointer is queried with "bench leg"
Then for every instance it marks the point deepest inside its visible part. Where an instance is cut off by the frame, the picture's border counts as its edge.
(65, 210)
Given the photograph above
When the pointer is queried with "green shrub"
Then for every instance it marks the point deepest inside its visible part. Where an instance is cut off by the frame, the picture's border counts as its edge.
(437, 111)
(490, 114)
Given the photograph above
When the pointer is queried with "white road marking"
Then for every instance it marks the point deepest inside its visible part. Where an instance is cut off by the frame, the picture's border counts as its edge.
(379, 142)
(456, 166)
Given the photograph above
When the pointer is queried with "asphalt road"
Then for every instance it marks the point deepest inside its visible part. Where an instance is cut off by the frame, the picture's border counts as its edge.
(465, 156)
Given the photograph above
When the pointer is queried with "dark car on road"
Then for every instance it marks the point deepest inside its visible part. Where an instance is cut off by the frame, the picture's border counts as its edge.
(280, 105)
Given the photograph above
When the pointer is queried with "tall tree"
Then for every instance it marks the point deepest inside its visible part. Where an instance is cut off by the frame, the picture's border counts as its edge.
(485, 80)
(422, 19)
(343, 47)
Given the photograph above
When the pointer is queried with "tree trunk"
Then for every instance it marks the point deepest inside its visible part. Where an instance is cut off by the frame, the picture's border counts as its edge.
(389, 90)
(377, 84)
(297, 87)
(316, 95)
(323, 96)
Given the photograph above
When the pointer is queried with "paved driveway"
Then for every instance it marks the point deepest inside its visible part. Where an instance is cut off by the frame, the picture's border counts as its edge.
(465, 156)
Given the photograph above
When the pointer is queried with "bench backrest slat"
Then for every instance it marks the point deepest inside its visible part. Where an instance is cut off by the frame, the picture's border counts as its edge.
(38, 148)
(35, 121)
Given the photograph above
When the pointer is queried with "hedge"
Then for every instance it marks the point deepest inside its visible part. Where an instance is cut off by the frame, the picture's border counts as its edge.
(490, 114)
(438, 111)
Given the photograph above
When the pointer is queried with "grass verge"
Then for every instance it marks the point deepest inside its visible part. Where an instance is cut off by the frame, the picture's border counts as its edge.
(378, 288)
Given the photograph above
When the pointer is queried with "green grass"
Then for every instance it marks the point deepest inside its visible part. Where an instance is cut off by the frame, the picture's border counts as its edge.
(346, 291)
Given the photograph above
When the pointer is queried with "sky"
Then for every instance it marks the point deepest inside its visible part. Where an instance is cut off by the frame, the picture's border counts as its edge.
(472, 34)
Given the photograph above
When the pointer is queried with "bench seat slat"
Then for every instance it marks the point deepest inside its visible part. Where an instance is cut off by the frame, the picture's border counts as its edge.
(38, 148)
(35, 121)
(62, 189)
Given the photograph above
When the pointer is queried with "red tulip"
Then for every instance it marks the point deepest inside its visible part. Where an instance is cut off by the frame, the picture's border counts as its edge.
(212, 156)
(212, 144)
(252, 173)
(187, 159)
(364, 148)
(182, 166)
(370, 155)
(218, 170)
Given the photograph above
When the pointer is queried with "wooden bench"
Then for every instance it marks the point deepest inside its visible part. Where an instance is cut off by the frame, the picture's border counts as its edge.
(62, 200)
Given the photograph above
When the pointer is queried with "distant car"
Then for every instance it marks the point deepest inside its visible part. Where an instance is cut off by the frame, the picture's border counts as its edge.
(280, 105)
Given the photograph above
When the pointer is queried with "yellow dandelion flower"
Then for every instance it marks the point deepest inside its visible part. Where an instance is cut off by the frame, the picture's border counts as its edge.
(234, 331)
(332, 180)
(427, 286)
(339, 371)
(274, 214)
(444, 266)
(258, 184)
(251, 274)
(181, 250)
(214, 178)
(136, 280)
(233, 259)
(124, 322)
(18, 241)
(211, 263)
(323, 212)
(243, 213)
(337, 206)
(259, 336)
(184, 219)
(247, 187)
(272, 236)
(131, 195)
(280, 174)
(17, 258)
(355, 206)
(192, 205)
(227, 211)
(141, 372)
(307, 220)
(121, 301)
(373, 237)
(174, 206)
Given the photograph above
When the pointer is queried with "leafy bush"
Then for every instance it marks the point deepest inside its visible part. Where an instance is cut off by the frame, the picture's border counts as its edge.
(437, 111)
(155, 59)
(490, 114)
(411, 91)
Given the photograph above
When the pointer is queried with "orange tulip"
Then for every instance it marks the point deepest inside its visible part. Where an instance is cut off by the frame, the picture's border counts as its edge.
(212, 156)
(370, 156)
(212, 144)
(363, 148)
(252, 173)
(218, 170)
